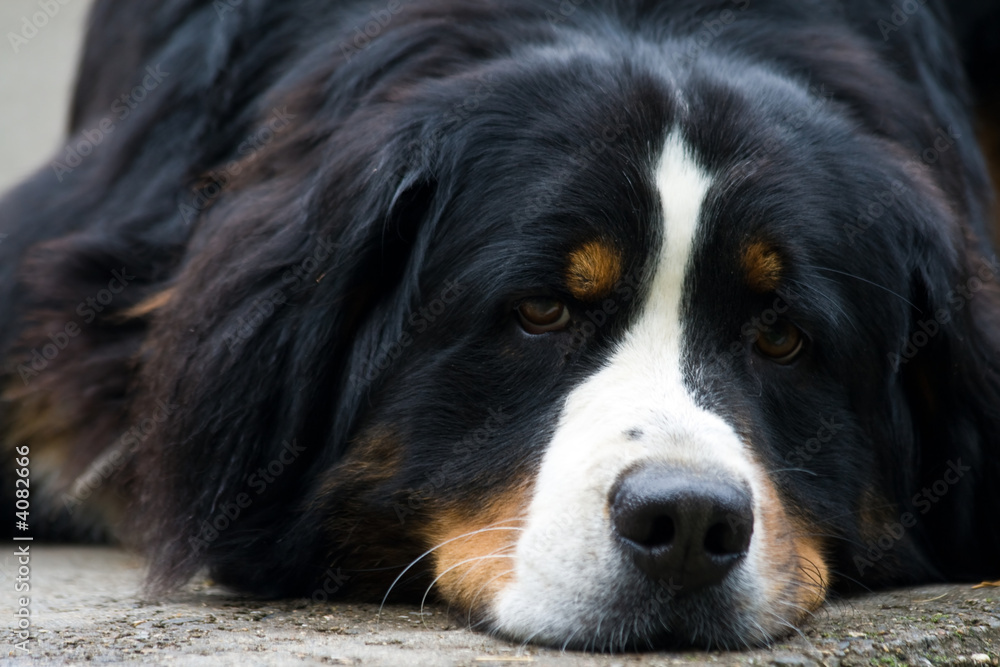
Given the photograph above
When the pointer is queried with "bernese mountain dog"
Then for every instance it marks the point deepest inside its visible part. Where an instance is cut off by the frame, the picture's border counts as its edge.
(614, 323)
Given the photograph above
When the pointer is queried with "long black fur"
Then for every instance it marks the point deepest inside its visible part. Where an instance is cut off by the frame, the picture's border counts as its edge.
(289, 278)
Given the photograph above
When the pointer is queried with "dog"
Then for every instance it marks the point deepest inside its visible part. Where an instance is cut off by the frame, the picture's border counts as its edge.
(614, 324)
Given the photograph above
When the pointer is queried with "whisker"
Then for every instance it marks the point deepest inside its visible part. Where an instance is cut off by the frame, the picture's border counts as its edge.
(813, 571)
(886, 505)
(430, 551)
(458, 564)
(795, 606)
(508, 547)
(809, 291)
(483, 588)
(501, 550)
(865, 280)
(808, 472)
(568, 641)
(472, 603)
(785, 623)
(527, 641)
(842, 575)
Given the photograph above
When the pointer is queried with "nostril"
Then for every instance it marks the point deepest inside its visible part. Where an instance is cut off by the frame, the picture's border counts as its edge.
(716, 540)
(661, 532)
(645, 525)
(725, 540)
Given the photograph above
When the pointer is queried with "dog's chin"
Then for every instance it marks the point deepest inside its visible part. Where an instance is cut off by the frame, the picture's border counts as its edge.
(634, 614)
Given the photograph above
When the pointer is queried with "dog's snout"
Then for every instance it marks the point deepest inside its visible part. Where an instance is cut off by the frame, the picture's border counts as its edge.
(684, 528)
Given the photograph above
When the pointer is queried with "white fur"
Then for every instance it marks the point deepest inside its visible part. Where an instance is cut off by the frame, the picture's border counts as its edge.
(567, 564)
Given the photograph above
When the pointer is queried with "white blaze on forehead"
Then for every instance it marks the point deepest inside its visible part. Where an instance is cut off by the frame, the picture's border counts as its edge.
(682, 186)
(568, 564)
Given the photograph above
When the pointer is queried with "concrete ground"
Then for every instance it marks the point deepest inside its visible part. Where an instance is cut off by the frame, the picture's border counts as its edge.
(86, 609)
(85, 604)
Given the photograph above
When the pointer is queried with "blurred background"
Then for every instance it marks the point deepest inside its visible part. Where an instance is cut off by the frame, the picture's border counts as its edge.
(37, 71)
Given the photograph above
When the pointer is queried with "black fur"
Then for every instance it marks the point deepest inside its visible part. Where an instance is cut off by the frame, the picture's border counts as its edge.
(451, 158)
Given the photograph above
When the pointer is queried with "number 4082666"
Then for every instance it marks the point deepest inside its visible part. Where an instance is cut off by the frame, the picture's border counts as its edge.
(21, 485)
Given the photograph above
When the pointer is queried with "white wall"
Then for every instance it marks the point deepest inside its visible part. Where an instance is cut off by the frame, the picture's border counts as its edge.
(35, 81)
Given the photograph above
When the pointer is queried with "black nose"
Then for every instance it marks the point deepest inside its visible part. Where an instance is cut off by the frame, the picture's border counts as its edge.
(687, 529)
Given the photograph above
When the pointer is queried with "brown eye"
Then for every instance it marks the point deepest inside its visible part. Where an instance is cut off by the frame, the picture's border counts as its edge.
(781, 342)
(540, 316)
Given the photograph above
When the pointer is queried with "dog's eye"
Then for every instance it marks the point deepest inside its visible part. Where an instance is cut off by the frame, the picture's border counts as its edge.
(542, 315)
(782, 342)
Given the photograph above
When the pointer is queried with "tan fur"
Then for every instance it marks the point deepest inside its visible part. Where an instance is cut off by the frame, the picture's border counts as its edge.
(375, 457)
(593, 270)
(149, 305)
(796, 569)
(762, 266)
(474, 566)
(39, 423)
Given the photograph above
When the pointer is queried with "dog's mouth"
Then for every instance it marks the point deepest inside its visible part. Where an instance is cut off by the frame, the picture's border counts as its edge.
(675, 558)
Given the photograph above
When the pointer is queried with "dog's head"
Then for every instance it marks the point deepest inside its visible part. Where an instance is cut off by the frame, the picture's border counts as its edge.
(608, 355)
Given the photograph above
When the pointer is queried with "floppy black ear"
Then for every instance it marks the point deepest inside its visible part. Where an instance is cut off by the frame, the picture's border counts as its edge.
(949, 365)
(252, 351)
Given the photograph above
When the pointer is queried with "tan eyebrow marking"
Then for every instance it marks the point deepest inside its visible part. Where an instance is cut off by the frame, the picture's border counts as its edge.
(763, 267)
(594, 269)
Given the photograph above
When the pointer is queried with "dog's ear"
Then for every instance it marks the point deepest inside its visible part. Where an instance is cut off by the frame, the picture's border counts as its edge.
(949, 366)
(250, 353)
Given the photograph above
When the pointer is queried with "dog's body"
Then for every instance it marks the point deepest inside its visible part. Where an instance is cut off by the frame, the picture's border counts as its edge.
(650, 321)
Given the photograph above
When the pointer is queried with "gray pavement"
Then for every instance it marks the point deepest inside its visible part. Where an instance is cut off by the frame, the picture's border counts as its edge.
(86, 606)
